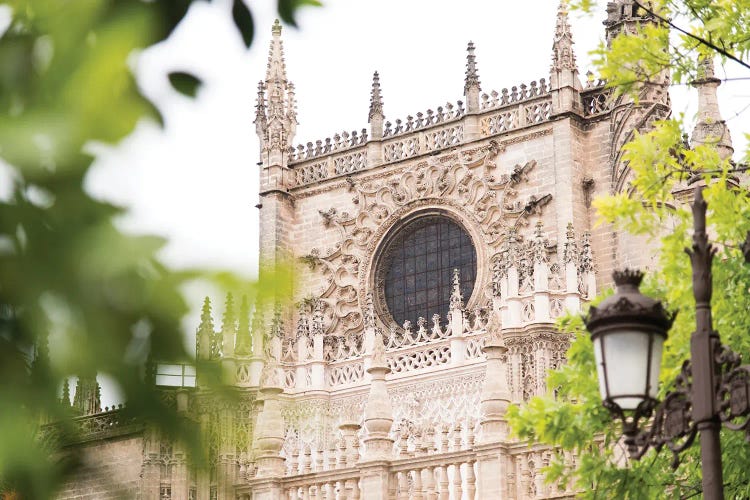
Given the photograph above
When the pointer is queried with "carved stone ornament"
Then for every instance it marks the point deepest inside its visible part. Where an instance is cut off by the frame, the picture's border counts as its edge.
(466, 185)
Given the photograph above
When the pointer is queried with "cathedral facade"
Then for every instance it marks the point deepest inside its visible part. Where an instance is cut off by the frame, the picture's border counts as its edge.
(433, 256)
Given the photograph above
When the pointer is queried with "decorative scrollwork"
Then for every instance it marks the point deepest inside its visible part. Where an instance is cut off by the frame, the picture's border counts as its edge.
(733, 396)
(672, 424)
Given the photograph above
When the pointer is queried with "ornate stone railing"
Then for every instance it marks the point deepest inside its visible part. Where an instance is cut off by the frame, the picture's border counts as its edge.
(339, 142)
(423, 141)
(506, 97)
(410, 352)
(597, 100)
(109, 423)
(425, 120)
(443, 462)
(330, 165)
(515, 116)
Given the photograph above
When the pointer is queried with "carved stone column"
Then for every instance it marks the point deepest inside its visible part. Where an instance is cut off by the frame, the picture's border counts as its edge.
(270, 425)
(495, 394)
(378, 411)
(458, 343)
(378, 423)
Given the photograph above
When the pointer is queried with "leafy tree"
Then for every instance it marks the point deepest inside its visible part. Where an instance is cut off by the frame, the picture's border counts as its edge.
(70, 281)
(661, 162)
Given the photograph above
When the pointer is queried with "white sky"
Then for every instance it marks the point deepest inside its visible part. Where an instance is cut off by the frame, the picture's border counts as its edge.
(196, 181)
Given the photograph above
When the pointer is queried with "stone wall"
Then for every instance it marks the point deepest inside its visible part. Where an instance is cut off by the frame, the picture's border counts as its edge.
(109, 469)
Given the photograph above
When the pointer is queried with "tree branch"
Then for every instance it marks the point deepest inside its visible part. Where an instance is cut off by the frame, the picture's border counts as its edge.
(694, 37)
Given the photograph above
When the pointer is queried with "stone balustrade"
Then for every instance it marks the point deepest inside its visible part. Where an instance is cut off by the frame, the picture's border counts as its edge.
(410, 352)
(429, 132)
(428, 474)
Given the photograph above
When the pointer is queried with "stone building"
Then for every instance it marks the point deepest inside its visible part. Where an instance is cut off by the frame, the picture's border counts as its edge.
(434, 255)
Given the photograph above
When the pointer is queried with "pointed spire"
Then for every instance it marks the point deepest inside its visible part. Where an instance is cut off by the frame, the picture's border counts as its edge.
(563, 56)
(244, 338)
(276, 115)
(564, 70)
(472, 74)
(65, 399)
(457, 300)
(87, 400)
(276, 67)
(228, 327)
(261, 122)
(205, 334)
(369, 311)
(471, 86)
(376, 99)
(710, 127)
(570, 249)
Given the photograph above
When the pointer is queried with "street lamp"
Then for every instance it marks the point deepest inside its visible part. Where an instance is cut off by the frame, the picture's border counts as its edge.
(628, 330)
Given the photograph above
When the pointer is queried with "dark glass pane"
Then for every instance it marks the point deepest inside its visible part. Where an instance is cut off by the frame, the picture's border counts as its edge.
(420, 261)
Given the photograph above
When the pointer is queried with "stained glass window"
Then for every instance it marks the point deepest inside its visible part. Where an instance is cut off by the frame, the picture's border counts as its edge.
(418, 268)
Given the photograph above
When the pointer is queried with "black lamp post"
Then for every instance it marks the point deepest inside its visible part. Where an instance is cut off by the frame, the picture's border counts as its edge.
(628, 330)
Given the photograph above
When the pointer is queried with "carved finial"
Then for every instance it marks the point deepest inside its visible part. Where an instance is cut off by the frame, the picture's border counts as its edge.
(376, 99)
(225, 342)
(302, 324)
(457, 300)
(570, 249)
(564, 70)
(317, 319)
(280, 123)
(472, 73)
(710, 127)
(87, 399)
(369, 311)
(205, 337)
(378, 351)
(261, 119)
(586, 262)
(228, 319)
(276, 67)
(291, 103)
(65, 399)
(563, 56)
(277, 323)
(512, 247)
(539, 247)
(244, 339)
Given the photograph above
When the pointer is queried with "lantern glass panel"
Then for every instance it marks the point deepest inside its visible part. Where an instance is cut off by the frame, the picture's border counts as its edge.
(622, 365)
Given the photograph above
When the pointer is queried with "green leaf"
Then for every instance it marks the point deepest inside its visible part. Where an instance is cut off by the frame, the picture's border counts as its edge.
(243, 20)
(288, 9)
(185, 83)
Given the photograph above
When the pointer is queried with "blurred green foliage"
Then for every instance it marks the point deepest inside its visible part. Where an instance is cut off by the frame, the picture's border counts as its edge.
(575, 420)
(70, 281)
(698, 28)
